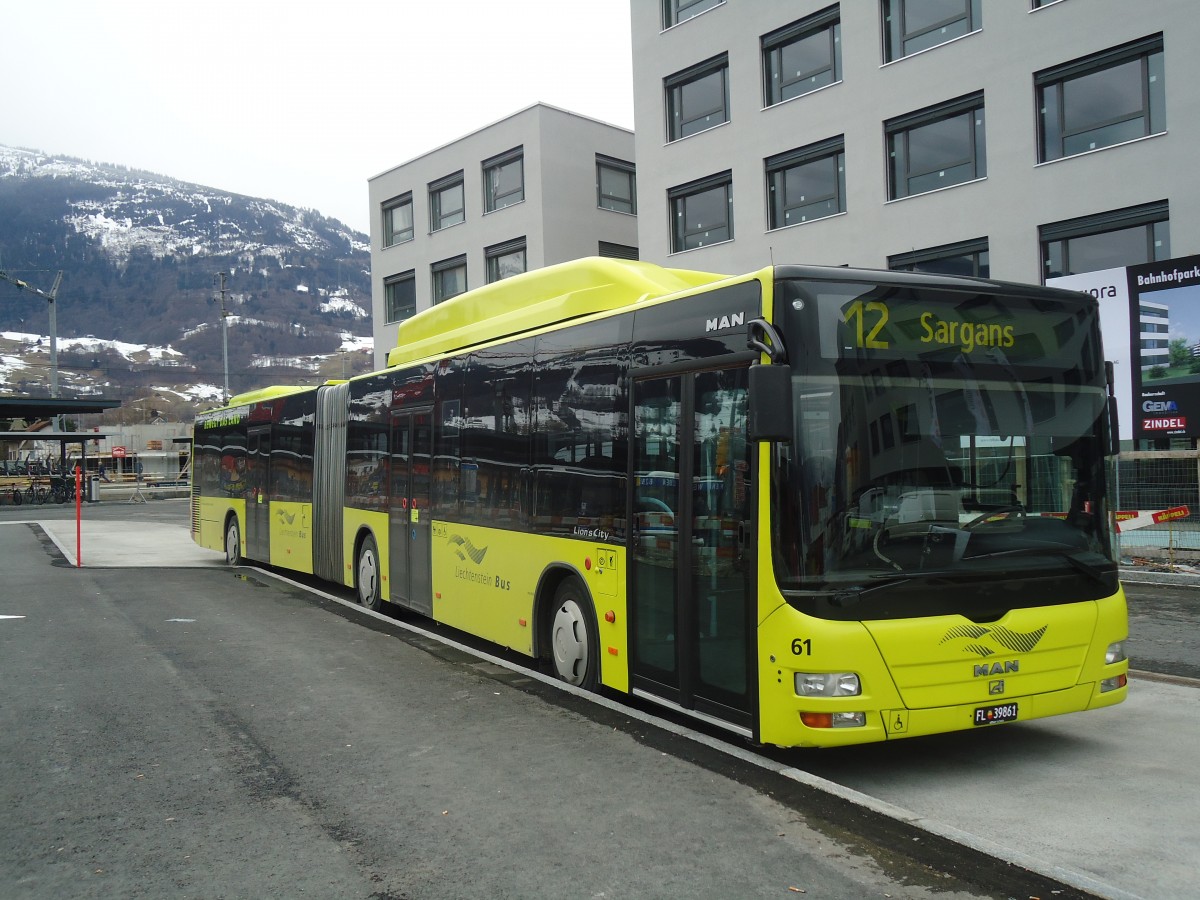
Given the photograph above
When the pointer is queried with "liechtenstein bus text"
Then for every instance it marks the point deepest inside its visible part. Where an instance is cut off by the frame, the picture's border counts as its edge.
(814, 506)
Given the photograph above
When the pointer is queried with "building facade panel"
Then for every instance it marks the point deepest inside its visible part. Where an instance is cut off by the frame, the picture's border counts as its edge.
(999, 56)
(528, 197)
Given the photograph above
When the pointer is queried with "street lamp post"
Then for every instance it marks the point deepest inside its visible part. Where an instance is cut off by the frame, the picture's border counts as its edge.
(224, 332)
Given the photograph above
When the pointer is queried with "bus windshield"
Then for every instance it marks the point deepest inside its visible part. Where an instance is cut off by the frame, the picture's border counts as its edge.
(943, 439)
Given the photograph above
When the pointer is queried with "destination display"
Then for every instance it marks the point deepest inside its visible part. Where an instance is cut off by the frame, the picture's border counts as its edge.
(867, 322)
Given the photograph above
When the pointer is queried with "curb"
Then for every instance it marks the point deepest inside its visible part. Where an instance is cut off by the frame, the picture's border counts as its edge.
(1155, 576)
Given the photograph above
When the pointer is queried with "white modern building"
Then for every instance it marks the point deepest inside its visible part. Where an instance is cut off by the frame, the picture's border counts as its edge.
(1024, 139)
(542, 186)
(1154, 320)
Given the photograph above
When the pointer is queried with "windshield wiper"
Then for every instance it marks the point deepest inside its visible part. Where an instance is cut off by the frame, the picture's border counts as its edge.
(1092, 570)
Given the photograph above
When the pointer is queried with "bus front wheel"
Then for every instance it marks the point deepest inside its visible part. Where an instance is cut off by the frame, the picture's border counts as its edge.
(367, 575)
(573, 642)
(233, 542)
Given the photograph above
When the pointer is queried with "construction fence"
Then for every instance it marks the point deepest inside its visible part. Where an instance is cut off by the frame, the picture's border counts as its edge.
(1162, 487)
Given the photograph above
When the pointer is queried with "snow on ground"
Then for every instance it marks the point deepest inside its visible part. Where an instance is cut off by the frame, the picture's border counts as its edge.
(16, 346)
(23, 337)
(8, 365)
(207, 393)
(164, 354)
(354, 342)
(343, 304)
(125, 348)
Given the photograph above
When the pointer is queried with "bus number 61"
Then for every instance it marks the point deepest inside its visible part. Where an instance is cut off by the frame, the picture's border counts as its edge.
(802, 647)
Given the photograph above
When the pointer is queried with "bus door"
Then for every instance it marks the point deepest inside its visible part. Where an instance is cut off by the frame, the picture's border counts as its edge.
(258, 504)
(409, 511)
(691, 582)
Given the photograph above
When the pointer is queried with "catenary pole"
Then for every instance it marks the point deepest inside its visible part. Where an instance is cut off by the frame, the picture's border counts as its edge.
(49, 297)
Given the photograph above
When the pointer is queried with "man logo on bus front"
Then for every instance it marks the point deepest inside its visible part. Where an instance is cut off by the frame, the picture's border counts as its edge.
(1014, 641)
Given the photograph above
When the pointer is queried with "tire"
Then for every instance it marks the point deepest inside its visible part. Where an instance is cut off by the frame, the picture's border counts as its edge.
(574, 646)
(233, 542)
(367, 580)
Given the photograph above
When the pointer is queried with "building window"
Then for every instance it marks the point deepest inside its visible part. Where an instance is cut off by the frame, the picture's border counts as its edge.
(399, 296)
(802, 57)
(1101, 100)
(962, 258)
(504, 180)
(698, 98)
(616, 251)
(1122, 237)
(446, 205)
(936, 147)
(449, 278)
(910, 26)
(616, 185)
(808, 183)
(505, 260)
(676, 11)
(701, 212)
(398, 220)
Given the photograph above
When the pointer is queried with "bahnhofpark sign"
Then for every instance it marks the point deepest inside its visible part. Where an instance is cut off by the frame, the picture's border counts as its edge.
(1150, 317)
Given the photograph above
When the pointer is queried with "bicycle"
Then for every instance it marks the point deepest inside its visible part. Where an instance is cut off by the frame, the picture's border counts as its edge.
(62, 488)
(36, 493)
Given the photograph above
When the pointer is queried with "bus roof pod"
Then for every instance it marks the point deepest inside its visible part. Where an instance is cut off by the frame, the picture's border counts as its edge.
(537, 299)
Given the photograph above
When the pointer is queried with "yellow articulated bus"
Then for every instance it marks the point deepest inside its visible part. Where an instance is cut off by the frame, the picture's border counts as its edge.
(816, 506)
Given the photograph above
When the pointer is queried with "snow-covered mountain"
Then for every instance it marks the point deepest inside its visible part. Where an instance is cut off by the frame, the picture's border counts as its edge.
(139, 307)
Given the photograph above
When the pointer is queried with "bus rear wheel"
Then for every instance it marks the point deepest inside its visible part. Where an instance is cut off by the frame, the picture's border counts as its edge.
(366, 575)
(233, 542)
(573, 642)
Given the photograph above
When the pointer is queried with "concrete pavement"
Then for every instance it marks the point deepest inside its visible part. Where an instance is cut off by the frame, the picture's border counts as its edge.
(1107, 802)
(131, 542)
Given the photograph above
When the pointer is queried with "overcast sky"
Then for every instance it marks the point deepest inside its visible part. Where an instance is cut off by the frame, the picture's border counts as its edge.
(298, 101)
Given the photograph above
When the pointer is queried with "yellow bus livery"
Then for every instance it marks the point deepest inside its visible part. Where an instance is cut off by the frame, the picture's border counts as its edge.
(813, 506)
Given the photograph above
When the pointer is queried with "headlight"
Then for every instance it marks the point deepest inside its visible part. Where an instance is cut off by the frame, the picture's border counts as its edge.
(828, 684)
(1115, 653)
(1112, 684)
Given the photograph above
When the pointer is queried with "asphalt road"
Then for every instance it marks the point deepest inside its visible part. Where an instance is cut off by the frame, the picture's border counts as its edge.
(206, 732)
(202, 732)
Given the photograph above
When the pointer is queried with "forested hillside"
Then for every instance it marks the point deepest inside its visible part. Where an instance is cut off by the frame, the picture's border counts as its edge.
(140, 255)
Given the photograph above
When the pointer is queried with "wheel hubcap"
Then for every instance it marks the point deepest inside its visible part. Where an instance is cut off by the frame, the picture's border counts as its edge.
(367, 575)
(569, 638)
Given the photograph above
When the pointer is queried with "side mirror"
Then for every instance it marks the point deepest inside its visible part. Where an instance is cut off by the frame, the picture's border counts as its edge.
(1114, 428)
(770, 413)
